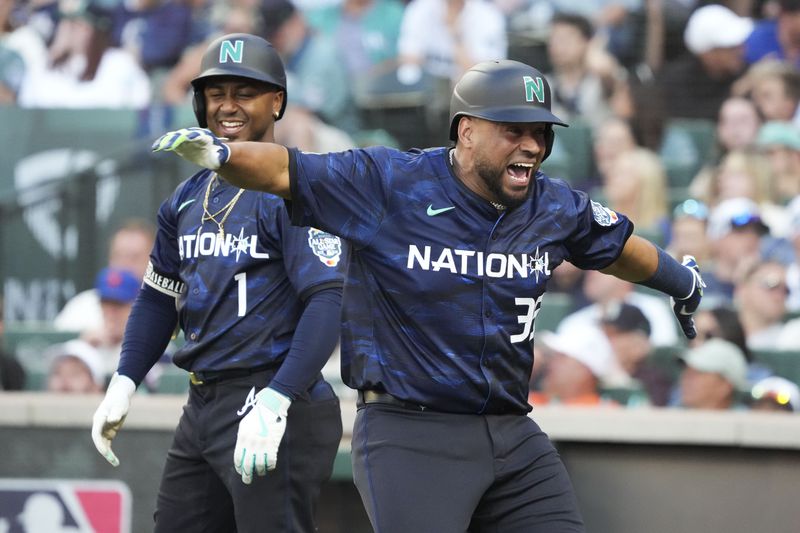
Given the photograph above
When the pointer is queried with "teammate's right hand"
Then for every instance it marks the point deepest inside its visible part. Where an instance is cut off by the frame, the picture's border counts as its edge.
(109, 416)
(197, 145)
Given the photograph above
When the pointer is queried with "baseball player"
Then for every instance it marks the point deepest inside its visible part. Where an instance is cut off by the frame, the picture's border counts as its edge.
(259, 302)
(452, 249)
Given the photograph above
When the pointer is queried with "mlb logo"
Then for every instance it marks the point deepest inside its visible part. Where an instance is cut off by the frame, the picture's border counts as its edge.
(64, 506)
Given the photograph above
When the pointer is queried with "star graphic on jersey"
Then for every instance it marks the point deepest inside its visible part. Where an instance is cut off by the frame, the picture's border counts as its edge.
(239, 243)
(538, 265)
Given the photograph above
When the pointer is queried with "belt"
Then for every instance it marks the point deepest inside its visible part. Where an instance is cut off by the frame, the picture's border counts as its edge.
(373, 396)
(207, 377)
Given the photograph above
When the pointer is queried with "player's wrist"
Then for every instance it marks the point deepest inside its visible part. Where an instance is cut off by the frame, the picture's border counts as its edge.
(274, 401)
(671, 277)
(121, 385)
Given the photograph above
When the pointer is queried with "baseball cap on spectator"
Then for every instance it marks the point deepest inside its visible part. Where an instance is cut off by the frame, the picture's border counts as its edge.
(274, 14)
(779, 133)
(715, 26)
(780, 390)
(589, 346)
(626, 318)
(117, 285)
(82, 351)
(98, 13)
(735, 213)
(721, 357)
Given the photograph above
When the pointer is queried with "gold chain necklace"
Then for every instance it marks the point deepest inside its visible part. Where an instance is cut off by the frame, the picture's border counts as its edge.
(227, 208)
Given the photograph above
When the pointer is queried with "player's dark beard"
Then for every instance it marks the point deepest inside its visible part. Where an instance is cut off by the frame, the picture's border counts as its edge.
(493, 178)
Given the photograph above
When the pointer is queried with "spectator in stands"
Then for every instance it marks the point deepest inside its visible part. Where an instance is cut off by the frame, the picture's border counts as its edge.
(613, 138)
(75, 367)
(777, 38)
(603, 290)
(780, 141)
(304, 130)
(576, 361)
(12, 374)
(129, 249)
(224, 17)
(696, 84)
(689, 233)
(793, 270)
(365, 31)
(117, 290)
(743, 174)
(761, 294)
(737, 125)
(84, 69)
(722, 322)
(775, 394)
(713, 373)
(585, 81)
(439, 40)
(637, 186)
(628, 332)
(314, 64)
(735, 232)
(775, 89)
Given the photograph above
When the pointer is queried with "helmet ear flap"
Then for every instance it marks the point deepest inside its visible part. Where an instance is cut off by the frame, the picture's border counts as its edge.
(199, 107)
(549, 139)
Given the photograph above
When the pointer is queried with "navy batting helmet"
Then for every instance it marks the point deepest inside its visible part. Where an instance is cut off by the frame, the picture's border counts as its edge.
(242, 55)
(503, 91)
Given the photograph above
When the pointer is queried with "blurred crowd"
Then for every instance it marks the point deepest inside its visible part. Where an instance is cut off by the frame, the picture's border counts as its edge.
(644, 76)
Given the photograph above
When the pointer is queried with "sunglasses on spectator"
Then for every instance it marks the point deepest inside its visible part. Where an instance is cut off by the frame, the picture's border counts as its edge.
(746, 219)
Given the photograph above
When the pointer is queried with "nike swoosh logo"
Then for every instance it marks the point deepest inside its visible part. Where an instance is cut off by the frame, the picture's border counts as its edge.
(683, 311)
(184, 204)
(433, 212)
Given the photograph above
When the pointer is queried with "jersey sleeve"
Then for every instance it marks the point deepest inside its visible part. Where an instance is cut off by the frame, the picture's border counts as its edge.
(599, 236)
(163, 271)
(344, 193)
(314, 259)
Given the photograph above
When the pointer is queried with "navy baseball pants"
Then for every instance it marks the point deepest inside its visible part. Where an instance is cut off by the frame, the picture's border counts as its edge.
(202, 493)
(432, 472)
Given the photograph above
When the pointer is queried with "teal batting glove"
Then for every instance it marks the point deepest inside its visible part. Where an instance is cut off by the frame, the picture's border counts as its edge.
(197, 145)
(110, 415)
(684, 308)
(260, 434)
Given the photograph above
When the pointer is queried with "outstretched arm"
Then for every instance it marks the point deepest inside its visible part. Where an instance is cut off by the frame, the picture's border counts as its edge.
(258, 166)
(645, 263)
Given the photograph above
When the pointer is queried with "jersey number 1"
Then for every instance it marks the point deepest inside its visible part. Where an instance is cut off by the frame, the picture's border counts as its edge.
(241, 277)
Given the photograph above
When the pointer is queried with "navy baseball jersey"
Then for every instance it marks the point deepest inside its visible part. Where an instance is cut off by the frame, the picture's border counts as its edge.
(239, 296)
(443, 289)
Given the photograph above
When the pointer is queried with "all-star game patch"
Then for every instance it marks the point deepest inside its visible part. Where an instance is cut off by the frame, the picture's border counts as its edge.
(603, 215)
(64, 505)
(327, 247)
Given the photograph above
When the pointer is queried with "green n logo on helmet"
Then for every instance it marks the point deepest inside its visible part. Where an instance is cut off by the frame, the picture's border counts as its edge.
(231, 50)
(534, 88)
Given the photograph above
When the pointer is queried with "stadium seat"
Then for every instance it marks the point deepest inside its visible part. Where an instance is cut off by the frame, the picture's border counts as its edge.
(28, 342)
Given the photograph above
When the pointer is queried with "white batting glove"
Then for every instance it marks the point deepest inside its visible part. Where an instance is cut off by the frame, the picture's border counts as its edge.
(110, 415)
(197, 145)
(260, 434)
